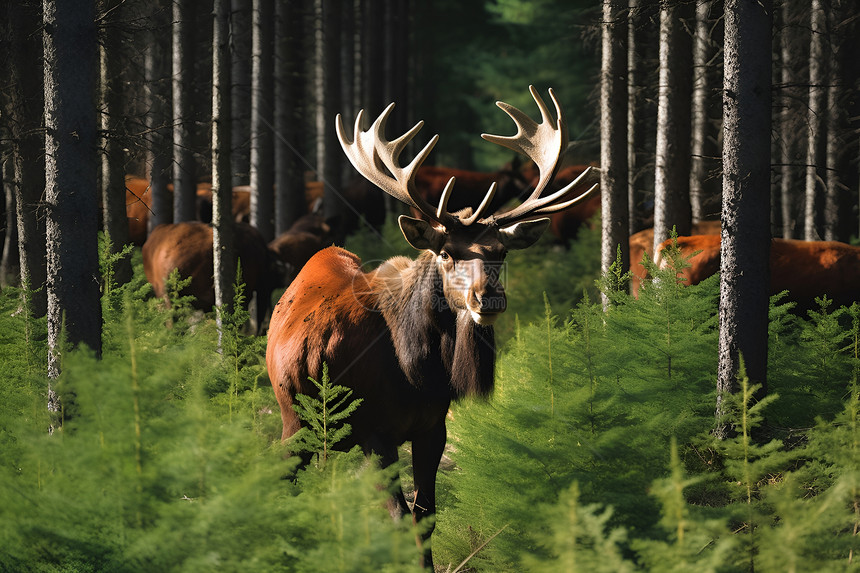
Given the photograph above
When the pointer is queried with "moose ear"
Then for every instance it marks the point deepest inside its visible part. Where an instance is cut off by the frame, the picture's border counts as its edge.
(421, 234)
(522, 235)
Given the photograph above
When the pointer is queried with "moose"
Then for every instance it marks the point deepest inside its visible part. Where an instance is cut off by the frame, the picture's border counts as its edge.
(806, 269)
(187, 247)
(412, 336)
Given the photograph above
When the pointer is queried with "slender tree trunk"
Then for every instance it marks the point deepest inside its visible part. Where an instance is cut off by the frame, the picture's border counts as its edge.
(672, 170)
(635, 127)
(26, 107)
(817, 142)
(788, 127)
(222, 219)
(348, 57)
(289, 90)
(704, 51)
(113, 128)
(184, 177)
(10, 267)
(262, 118)
(158, 103)
(71, 59)
(374, 70)
(329, 153)
(613, 138)
(240, 158)
(744, 269)
(837, 134)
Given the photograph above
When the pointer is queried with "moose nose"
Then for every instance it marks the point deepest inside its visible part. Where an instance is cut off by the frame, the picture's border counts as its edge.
(486, 304)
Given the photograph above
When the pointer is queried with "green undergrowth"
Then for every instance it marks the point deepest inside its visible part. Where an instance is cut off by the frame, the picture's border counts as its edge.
(595, 452)
(169, 457)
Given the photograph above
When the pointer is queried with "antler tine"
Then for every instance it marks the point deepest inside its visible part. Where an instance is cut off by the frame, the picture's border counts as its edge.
(542, 142)
(558, 201)
(487, 198)
(443, 201)
(378, 159)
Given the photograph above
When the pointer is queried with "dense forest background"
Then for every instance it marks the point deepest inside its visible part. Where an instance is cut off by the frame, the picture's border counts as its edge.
(140, 432)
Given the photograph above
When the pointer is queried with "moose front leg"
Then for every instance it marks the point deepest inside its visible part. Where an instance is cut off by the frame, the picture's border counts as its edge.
(426, 452)
(387, 452)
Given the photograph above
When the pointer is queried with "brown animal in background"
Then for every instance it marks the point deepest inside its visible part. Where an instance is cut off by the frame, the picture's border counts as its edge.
(307, 236)
(241, 202)
(643, 242)
(412, 335)
(361, 197)
(430, 182)
(806, 269)
(188, 248)
(138, 205)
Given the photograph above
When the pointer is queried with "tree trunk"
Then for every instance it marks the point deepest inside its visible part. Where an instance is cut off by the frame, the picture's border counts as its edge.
(114, 218)
(329, 154)
(702, 163)
(240, 158)
(10, 268)
(635, 125)
(158, 86)
(289, 98)
(613, 138)
(788, 126)
(222, 219)
(374, 49)
(745, 249)
(184, 168)
(26, 109)
(349, 58)
(262, 118)
(672, 169)
(74, 308)
(835, 203)
(817, 142)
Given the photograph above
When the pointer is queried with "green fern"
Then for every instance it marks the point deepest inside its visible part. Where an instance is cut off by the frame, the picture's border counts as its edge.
(324, 416)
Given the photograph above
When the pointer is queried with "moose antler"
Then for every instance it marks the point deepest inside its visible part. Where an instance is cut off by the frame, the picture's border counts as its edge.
(543, 143)
(379, 161)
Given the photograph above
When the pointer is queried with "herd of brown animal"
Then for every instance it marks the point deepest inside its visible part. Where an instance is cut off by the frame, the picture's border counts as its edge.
(806, 269)
(188, 246)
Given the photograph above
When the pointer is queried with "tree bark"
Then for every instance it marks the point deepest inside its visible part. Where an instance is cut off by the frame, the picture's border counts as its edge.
(613, 138)
(10, 268)
(158, 86)
(745, 249)
(835, 203)
(113, 129)
(374, 50)
(222, 219)
(788, 126)
(704, 51)
(262, 118)
(240, 158)
(289, 102)
(635, 127)
(329, 154)
(74, 308)
(184, 168)
(672, 169)
(26, 107)
(817, 142)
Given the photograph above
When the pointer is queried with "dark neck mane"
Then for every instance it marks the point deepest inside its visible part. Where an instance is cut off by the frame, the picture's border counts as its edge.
(439, 348)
